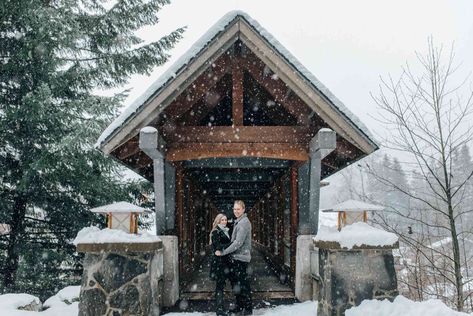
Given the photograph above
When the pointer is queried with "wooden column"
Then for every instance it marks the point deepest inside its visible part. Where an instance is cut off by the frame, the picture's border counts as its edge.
(190, 224)
(294, 218)
(237, 95)
(272, 236)
(280, 220)
(180, 213)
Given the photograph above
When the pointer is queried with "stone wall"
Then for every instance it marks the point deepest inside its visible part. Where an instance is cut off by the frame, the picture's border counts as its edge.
(121, 279)
(303, 281)
(348, 277)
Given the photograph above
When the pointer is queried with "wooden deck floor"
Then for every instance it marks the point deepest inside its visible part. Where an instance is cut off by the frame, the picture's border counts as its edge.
(264, 285)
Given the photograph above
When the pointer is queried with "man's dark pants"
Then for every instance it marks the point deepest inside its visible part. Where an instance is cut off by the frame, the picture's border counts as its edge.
(241, 285)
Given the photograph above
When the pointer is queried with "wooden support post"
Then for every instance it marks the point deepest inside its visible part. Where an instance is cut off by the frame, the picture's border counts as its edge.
(282, 204)
(191, 224)
(180, 213)
(294, 218)
(109, 220)
(237, 95)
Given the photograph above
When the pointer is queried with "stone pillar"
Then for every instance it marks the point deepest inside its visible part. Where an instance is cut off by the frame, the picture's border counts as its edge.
(347, 277)
(303, 282)
(171, 270)
(149, 144)
(320, 146)
(121, 279)
(309, 176)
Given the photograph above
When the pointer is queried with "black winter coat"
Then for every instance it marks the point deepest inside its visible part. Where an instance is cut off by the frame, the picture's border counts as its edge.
(219, 266)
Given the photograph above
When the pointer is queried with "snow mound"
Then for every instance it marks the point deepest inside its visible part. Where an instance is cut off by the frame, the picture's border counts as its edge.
(402, 306)
(308, 308)
(356, 234)
(95, 235)
(119, 207)
(9, 304)
(64, 297)
(15, 301)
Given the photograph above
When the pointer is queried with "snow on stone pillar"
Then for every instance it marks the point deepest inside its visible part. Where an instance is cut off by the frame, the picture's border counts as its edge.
(123, 273)
(149, 144)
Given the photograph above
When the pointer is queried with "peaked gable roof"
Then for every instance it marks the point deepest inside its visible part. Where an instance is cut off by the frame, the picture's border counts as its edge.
(236, 25)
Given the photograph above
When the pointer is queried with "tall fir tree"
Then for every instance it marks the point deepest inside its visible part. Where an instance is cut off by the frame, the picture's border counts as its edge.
(53, 55)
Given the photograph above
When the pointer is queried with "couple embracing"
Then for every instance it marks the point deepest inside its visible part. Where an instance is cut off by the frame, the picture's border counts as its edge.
(230, 258)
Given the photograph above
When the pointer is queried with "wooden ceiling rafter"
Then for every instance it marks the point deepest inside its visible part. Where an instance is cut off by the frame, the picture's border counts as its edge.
(347, 149)
(275, 87)
(197, 89)
(202, 108)
(237, 93)
(128, 149)
(275, 112)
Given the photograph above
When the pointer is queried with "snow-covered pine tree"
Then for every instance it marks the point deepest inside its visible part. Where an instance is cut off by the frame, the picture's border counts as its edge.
(53, 55)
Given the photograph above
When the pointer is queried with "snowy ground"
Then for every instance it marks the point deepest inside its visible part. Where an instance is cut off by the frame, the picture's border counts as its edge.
(402, 307)
(64, 303)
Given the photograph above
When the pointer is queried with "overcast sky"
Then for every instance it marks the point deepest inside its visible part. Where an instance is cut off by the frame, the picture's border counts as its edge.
(347, 45)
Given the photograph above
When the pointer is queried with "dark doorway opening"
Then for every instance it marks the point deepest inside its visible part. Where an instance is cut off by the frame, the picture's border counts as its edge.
(210, 186)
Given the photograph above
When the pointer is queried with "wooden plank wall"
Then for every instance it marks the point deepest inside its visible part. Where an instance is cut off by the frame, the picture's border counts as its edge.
(194, 211)
(268, 221)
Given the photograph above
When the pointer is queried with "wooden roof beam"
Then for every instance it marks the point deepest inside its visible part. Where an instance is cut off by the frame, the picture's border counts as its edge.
(241, 134)
(234, 164)
(189, 151)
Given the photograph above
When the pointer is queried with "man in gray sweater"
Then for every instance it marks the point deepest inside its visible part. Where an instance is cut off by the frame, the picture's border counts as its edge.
(240, 252)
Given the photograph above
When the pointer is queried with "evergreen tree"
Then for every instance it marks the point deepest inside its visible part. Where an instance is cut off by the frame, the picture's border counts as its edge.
(53, 55)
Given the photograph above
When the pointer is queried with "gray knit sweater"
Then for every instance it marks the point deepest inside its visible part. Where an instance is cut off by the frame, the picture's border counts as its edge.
(240, 248)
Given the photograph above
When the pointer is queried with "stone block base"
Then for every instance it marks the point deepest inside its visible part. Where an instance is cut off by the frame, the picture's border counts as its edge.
(347, 277)
(303, 282)
(116, 283)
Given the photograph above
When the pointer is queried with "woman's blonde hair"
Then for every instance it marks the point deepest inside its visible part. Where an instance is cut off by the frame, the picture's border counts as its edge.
(217, 220)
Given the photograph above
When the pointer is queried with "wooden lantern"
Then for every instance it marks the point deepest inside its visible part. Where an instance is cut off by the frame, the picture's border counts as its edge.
(352, 211)
(122, 216)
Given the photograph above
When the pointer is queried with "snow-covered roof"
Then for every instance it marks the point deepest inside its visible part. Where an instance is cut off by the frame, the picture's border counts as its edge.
(357, 234)
(119, 207)
(353, 206)
(95, 235)
(210, 36)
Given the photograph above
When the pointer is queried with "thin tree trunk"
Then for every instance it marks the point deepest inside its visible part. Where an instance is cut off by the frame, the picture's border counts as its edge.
(16, 230)
(456, 259)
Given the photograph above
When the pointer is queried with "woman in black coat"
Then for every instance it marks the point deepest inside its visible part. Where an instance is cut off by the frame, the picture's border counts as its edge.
(219, 266)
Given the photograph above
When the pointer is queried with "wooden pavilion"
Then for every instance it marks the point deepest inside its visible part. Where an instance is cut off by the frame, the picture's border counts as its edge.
(238, 118)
